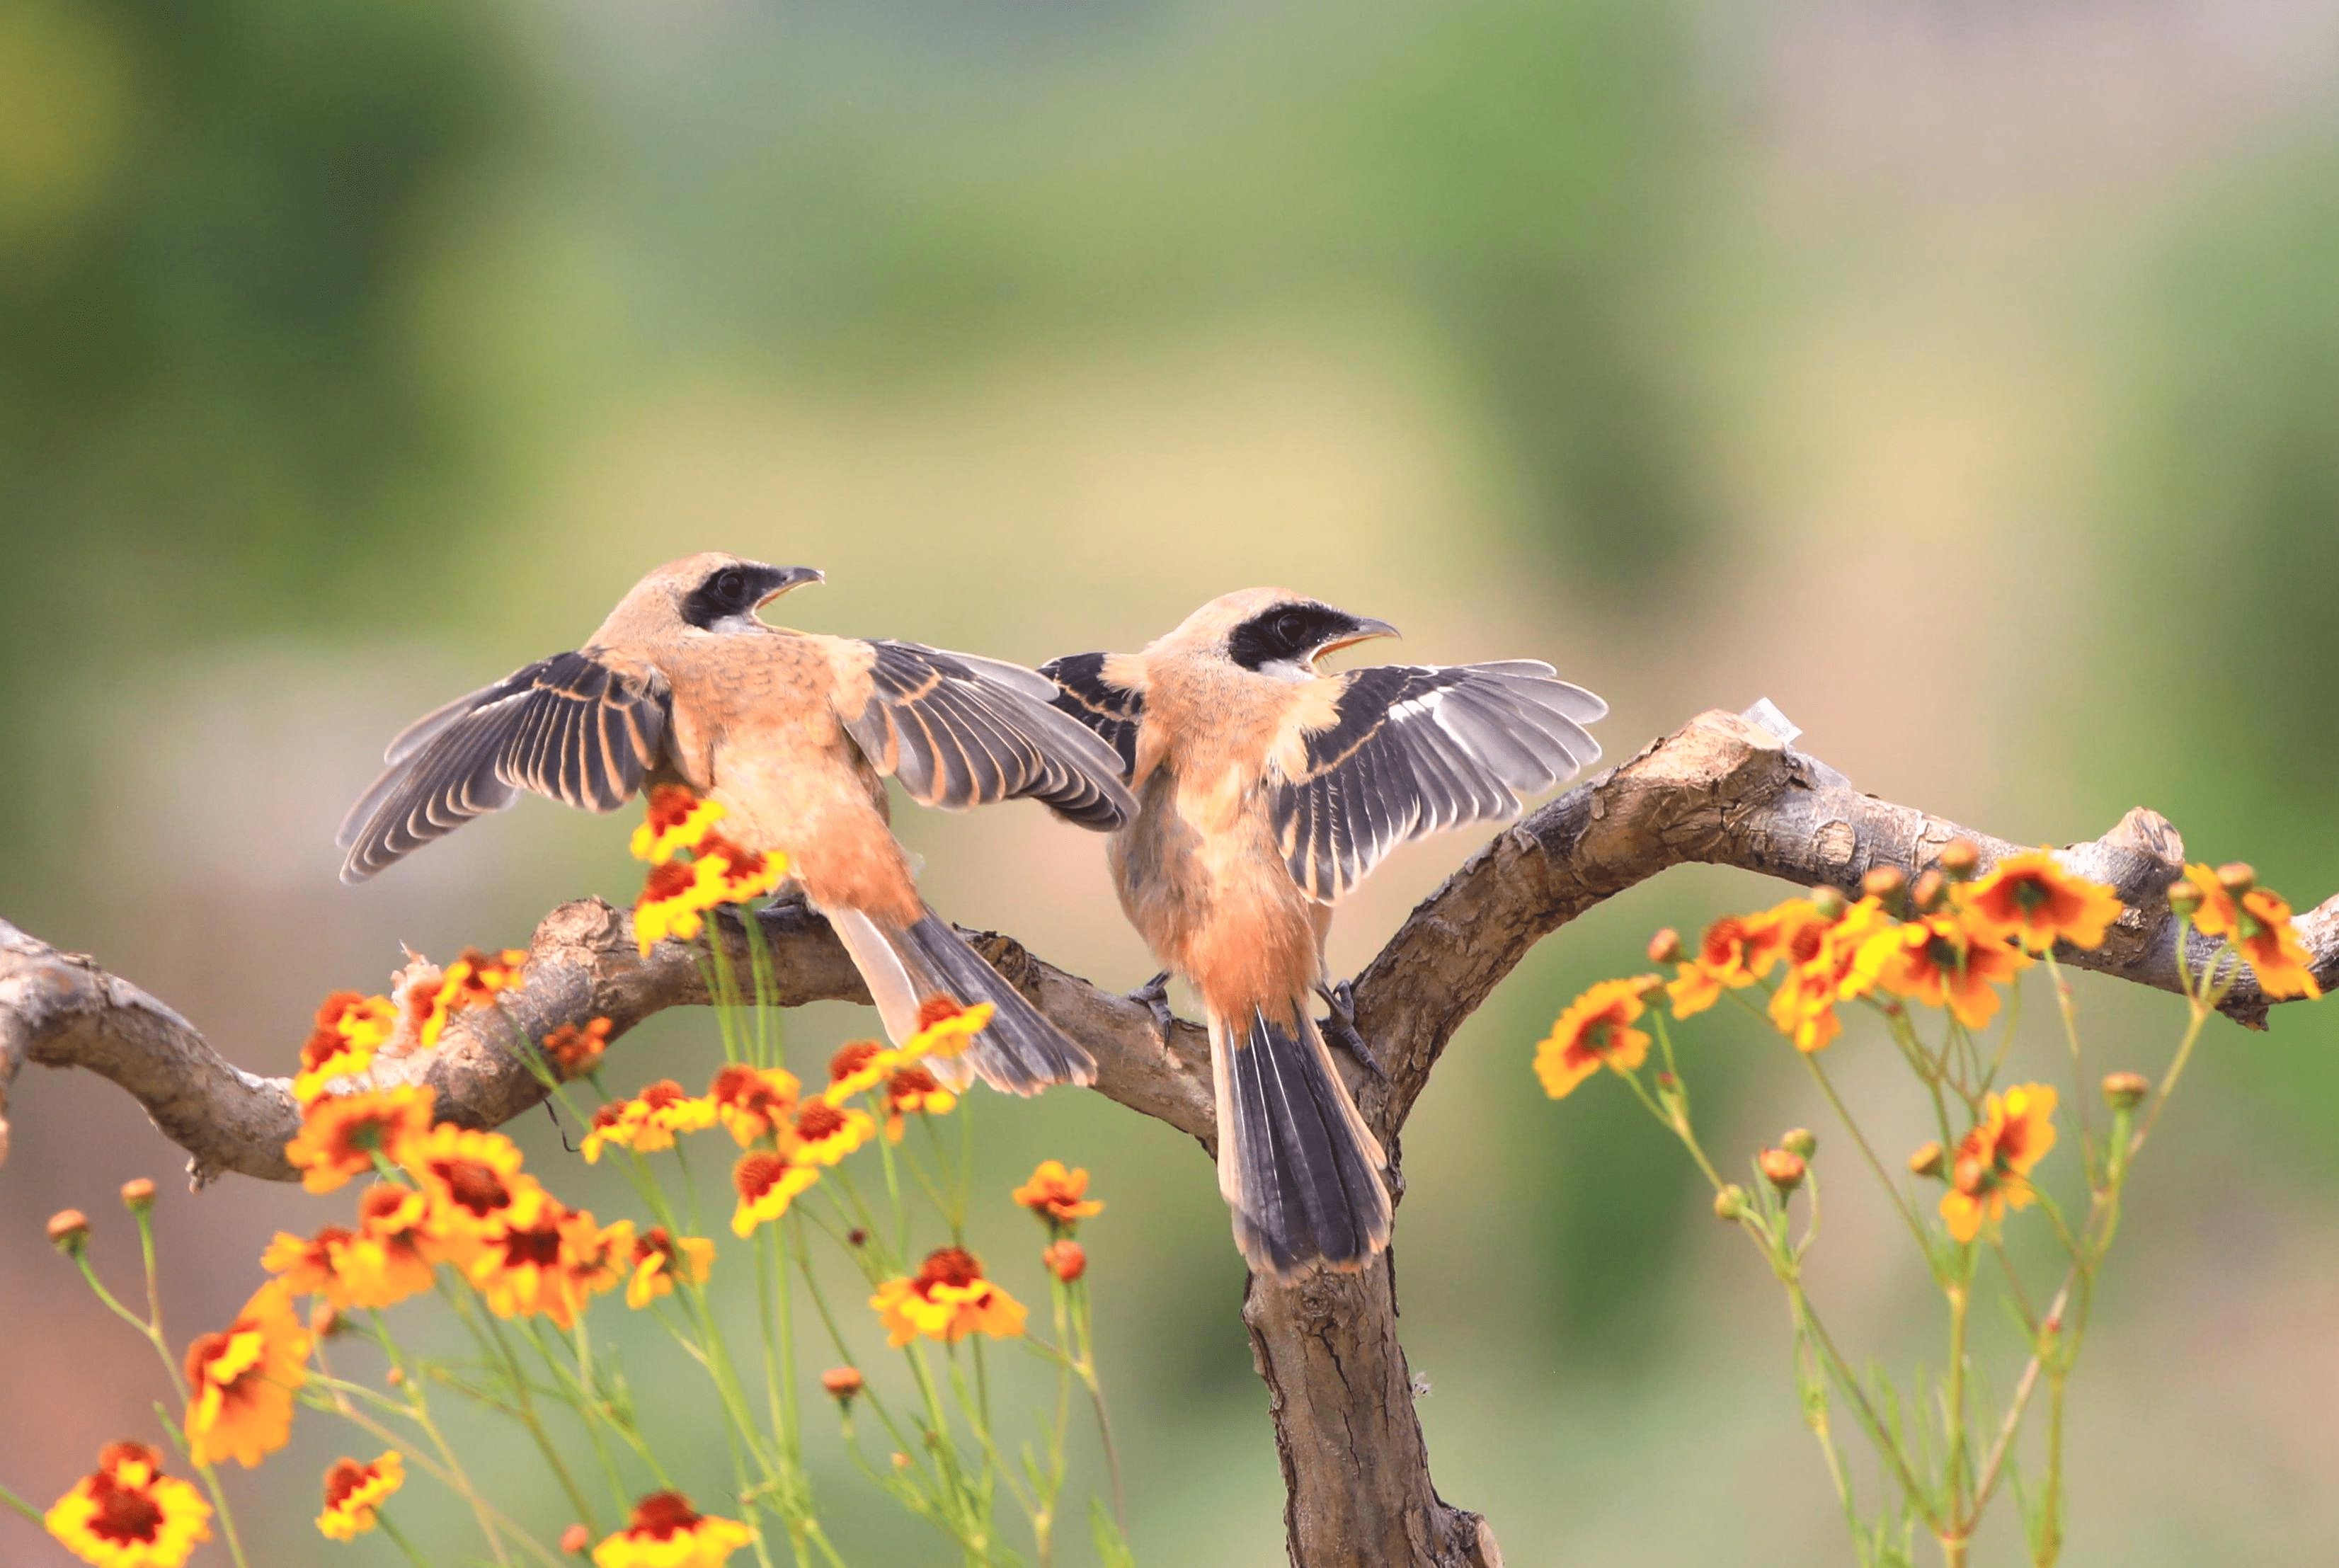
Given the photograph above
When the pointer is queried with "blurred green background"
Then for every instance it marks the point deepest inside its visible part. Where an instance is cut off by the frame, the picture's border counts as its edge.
(1964, 379)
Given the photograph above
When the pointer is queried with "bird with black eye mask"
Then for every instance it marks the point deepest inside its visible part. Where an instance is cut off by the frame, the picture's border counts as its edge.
(1266, 789)
(794, 733)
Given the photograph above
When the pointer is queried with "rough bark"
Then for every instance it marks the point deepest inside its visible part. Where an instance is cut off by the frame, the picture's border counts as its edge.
(1723, 790)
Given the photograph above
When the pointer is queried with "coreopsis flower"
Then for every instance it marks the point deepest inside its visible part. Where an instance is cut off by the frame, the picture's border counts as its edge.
(1947, 959)
(677, 820)
(472, 1180)
(666, 1531)
(348, 1029)
(1821, 971)
(384, 1262)
(858, 1066)
(574, 1051)
(648, 1122)
(945, 1029)
(753, 1102)
(911, 1091)
(947, 1299)
(1990, 1172)
(825, 1133)
(478, 978)
(745, 875)
(1594, 1031)
(354, 1494)
(1058, 1196)
(1065, 1258)
(596, 1257)
(2030, 898)
(341, 1135)
(126, 1514)
(1723, 961)
(2259, 923)
(767, 1185)
(242, 1380)
(676, 897)
(660, 1259)
(524, 1269)
(307, 1266)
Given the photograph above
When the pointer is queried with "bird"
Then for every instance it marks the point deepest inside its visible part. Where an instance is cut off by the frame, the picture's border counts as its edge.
(793, 732)
(1267, 787)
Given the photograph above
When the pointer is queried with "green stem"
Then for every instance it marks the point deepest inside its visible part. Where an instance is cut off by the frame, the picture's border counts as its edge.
(9, 1499)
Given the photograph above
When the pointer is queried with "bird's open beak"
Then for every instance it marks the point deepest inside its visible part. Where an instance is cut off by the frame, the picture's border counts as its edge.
(792, 577)
(1366, 631)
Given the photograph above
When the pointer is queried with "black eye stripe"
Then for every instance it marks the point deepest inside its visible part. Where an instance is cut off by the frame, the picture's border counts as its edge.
(731, 591)
(1287, 632)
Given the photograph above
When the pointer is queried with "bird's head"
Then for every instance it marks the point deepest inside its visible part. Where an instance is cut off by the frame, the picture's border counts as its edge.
(711, 591)
(1276, 632)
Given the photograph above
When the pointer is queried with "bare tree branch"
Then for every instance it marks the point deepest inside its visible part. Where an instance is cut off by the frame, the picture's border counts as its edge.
(1723, 790)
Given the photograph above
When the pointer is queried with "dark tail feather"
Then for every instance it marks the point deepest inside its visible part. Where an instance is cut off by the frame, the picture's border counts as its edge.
(1295, 1161)
(1020, 1051)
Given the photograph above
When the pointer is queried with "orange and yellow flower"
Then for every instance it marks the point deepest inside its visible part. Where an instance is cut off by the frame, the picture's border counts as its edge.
(2258, 923)
(1595, 1031)
(341, 1135)
(474, 980)
(823, 1134)
(661, 1259)
(745, 874)
(945, 1029)
(2030, 898)
(1991, 1169)
(1058, 1196)
(354, 1494)
(676, 897)
(1944, 960)
(546, 1259)
(574, 1051)
(243, 1381)
(677, 821)
(767, 1185)
(472, 1180)
(309, 1267)
(666, 1532)
(911, 1091)
(348, 1029)
(648, 1122)
(1821, 971)
(858, 1066)
(384, 1263)
(126, 1514)
(753, 1102)
(947, 1299)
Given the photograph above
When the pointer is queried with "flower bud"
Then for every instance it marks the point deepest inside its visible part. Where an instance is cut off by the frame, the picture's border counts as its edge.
(138, 1195)
(901, 1460)
(856, 1237)
(2126, 1091)
(326, 1321)
(1782, 1170)
(1653, 988)
(69, 1231)
(2237, 877)
(1932, 888)
(1887, 885)
(1065, 1260)
(1801, 1141)
(1959, 858)
(2183, 898)
(1665, 947)
(841, 1383)
(1730, 1203)
(1927, 1159)
(1667, 1083)
(1831, 904)
(575, 1540)
(394, 1377)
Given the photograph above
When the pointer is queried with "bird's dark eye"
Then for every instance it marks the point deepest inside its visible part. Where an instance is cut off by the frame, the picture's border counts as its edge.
(731, 585)
(1291, 630)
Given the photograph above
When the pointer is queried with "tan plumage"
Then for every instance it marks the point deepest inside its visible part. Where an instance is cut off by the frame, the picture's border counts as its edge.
(1266, 790)
(793, 732)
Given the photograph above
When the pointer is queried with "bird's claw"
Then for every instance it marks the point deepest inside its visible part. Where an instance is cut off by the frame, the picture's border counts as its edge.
(1341, 998)
(1154, 994)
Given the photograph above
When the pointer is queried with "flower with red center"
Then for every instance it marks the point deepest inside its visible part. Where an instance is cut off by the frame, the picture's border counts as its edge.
(384, 1262)
(945, 1029)
(307, 1266)
(947, 1299)
(677, 821)
(574, 1051)
(858, 1065)
(522, 1269)
(1820, 972)
(126, 1514)
(745, 875)
(660, 1259)
(767, 1185)
(1990, 1172)
(470, 1180)
(2257, 921)
(1948, 959)
(596, 1257)
(478, 978)
(1065, 1259)
(911, 1091)
(1722, 963)
(666, 1532)
(753, 1102)
(648, 1122)
(676, 897)
(243, 1379)
(2030, 898)
(354, 1494)
(350, 1029)
(341, 1135)
(1058, 1196)
(1595, 1031)
(825, 1133)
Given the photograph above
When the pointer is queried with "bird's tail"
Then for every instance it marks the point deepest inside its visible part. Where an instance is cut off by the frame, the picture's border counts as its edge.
(1019, 1051)
(1296, 1163)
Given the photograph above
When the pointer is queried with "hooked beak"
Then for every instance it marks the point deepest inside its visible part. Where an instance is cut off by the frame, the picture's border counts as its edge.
(792, 577)
(1367, 629)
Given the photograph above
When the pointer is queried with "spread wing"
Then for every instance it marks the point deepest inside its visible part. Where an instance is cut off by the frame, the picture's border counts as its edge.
(959, 731)
(569, 727)
(1113, 710)
(1412, 749)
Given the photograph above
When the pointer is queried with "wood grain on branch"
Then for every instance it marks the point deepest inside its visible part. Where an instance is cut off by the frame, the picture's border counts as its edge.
(1723, 790)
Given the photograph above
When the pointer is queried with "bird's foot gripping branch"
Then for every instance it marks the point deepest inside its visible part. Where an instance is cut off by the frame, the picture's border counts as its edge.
(1723, 790)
